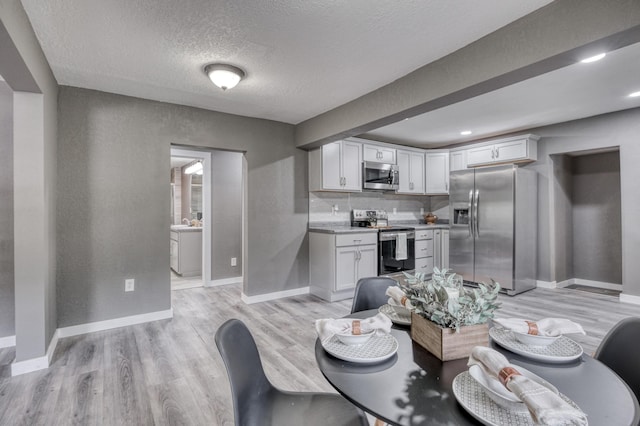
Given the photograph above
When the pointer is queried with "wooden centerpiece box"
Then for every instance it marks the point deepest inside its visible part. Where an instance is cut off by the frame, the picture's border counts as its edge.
(447, 343)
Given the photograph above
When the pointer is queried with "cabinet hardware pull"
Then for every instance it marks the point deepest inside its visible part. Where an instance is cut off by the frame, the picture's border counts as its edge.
(497, 152)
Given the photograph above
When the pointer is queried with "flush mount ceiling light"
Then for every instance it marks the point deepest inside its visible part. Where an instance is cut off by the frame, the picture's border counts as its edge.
(223, 75)
(634, 94)
(465, 132)
(195, 167)
(593, 58)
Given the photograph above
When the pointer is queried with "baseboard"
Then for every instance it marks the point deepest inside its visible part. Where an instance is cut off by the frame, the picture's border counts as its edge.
(629, 298)
(546, 284)
(598, 284)
(275, 295)
(29, 365)
(52, 346)
(7, 342)
(564, 283)
(92, 327)
(225, 281)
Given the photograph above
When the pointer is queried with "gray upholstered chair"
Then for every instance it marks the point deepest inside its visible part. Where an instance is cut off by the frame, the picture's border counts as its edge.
(256, 402)
(620, 349)
(370, 293)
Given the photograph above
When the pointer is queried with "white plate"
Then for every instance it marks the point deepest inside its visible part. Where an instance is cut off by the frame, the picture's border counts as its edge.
(475, 401)
(394, 316)
(562, 350)
(500, 394)
(376, 349)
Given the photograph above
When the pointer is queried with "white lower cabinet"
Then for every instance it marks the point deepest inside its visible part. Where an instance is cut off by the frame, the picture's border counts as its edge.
(441, 246)
(424, 251)
(186, 252)
(338, 261)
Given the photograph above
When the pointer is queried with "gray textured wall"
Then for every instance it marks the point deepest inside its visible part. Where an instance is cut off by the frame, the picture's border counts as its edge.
(25, 69)
(111, 229)
(563, 193)
(620, 129)
(226, 212)
(597, 233)
(7, 295)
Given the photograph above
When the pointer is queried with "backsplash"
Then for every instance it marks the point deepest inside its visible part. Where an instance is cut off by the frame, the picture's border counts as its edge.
(407, 207)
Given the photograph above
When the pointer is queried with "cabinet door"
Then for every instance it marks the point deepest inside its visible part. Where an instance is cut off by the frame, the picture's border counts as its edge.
(444, 247)
(458, 160)
(331, 175)
(514, 150)
(368, 261)
(404, 172)
(425, 265)
(352, 166)
(346, 267)
(387, 155)
(370, 153)
(437, 173)
(417, 173)
(481, 155)
(174, 262)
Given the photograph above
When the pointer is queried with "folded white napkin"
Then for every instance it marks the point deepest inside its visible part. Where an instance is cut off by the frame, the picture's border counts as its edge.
(397, 297)
(545, 407)
(546, 326)
(326, 328)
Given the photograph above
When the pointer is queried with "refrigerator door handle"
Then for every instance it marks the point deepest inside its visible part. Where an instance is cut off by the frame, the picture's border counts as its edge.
(476, 222)
(470, 219)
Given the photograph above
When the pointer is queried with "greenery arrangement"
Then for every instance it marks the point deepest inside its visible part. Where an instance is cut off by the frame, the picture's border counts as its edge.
(431, 299)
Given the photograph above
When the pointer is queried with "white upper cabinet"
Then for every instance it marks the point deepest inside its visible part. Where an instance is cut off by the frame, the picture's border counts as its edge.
(410, 172)
(457, 160)
(379, 154)
(510, 150)
(336, 167)
(437, 172)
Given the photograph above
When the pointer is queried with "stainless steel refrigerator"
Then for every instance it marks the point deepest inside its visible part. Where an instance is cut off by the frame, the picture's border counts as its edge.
(493, 218)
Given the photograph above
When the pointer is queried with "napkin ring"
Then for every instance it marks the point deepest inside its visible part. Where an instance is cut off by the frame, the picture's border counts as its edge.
(506, 374)
(533, 328)
(355, 327)
(403, 301)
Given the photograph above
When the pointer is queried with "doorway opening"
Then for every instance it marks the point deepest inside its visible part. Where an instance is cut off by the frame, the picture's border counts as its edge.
(190, 231)
(588, 220)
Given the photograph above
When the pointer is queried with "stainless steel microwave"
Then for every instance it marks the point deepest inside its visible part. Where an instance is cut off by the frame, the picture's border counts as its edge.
(380, 176)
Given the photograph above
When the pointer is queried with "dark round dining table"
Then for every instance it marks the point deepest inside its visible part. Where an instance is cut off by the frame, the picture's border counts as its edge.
(413, 387)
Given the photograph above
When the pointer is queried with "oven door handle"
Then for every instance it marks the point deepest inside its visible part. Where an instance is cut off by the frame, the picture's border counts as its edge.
(388, 236)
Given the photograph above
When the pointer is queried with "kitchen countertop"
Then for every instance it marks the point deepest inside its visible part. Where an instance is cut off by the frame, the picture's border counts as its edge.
(346, 229)
(183, 228)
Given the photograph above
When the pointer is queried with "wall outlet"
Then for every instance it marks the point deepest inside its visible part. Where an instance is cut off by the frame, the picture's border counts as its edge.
(234, 261)
(129, 284)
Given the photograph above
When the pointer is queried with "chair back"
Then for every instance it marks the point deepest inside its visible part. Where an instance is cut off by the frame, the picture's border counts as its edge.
(619, 351)
(250, 389)
(370, 293)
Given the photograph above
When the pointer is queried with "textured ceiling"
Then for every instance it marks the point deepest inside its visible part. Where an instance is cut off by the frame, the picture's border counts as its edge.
(302, 57)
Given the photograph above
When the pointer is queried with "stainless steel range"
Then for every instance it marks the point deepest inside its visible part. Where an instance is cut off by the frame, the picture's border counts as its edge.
(396, 244)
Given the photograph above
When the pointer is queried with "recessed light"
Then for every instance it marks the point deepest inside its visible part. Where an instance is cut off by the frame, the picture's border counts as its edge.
(465, 132)
(593, 58)
(634, 94)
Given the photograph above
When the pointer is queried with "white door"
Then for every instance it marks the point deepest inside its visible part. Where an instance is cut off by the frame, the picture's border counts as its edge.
(480, 155)
(368, 261)
(331, 174)
(508, 151)
(346, 267)
(437, 173)
(352, 166)
(404, 172)
(417, 173)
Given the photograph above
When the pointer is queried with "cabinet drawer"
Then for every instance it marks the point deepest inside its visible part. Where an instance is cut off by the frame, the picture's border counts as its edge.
(424, 265)
(424, 248)
(424, 234)
(356, 239)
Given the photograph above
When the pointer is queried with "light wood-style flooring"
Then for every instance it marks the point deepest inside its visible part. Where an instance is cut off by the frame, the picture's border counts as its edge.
(170, 373)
